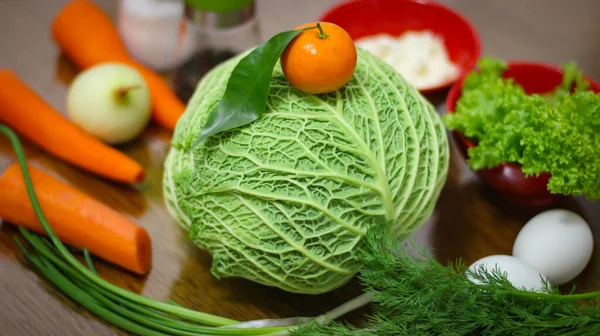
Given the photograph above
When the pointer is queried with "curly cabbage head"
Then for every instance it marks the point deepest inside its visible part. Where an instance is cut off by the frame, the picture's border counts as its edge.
(286, 200)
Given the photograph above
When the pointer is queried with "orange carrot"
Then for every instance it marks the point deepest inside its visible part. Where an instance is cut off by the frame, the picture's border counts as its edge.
(87, 36)
(28, 114)
(76, 218)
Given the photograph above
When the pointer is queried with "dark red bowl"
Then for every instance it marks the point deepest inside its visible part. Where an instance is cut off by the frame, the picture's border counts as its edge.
(362, 18)
(508, 178)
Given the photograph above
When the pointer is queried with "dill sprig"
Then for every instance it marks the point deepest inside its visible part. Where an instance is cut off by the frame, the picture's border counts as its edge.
(419, 296)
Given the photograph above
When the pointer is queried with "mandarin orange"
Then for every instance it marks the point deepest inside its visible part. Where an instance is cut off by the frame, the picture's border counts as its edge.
(319, 60)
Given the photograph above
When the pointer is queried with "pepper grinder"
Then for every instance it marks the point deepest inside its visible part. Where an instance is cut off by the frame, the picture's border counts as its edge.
(221, 29)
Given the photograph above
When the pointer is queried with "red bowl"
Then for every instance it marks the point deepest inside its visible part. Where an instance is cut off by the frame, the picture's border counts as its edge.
(362, 18)
(508, 178)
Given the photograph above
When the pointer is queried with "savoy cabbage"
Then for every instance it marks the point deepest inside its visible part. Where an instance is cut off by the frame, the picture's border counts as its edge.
(286, 200)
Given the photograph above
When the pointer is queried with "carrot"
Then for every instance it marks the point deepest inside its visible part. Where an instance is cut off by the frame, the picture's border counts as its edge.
(27, 113)
(87, 36)
(76, 218)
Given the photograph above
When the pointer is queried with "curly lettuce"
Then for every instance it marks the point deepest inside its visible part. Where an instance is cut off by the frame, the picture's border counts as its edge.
(557, 132)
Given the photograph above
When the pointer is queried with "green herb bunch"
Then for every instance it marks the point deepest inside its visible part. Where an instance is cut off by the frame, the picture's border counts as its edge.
(557, 132)
(419, 296)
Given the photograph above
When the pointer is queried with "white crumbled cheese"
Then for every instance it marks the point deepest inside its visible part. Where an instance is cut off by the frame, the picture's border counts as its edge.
(420, 57)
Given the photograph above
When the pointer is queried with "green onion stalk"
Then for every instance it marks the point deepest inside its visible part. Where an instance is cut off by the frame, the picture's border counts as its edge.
(127, 310)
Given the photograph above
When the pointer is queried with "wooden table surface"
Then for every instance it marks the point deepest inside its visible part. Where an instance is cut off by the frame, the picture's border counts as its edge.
(469, 221)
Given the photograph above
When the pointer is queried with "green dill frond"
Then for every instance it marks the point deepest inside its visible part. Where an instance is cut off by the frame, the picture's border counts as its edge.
(419, 296)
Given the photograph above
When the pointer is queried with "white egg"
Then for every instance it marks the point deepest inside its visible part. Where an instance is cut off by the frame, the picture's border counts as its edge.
(520, 274)
(558, 243)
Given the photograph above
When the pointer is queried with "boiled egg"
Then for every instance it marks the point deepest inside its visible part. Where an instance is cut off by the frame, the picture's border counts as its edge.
(520, 274)
(557, 243)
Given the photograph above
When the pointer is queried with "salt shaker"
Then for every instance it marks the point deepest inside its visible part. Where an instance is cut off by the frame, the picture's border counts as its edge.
(221, 29)
(151, 31)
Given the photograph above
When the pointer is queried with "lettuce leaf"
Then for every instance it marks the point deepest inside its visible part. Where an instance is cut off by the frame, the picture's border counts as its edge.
(557, 132)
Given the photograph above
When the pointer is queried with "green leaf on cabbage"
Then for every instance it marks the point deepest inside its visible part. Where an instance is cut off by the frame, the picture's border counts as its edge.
(558, 132)
(247, 88)
(287, 199)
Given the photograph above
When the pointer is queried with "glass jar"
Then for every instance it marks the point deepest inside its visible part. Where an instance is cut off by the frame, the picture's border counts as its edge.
(221, 30)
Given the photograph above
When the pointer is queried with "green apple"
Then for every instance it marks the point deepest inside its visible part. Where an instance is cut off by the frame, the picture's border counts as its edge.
(110, 101)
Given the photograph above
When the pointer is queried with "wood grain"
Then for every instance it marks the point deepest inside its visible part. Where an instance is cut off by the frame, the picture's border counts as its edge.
(469, 222)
